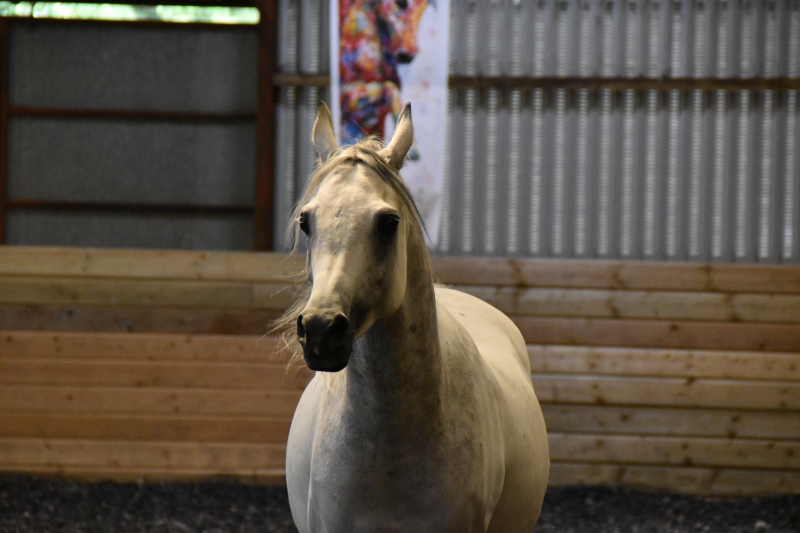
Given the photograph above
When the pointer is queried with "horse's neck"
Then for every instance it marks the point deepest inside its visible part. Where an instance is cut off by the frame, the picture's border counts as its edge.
(395, 369)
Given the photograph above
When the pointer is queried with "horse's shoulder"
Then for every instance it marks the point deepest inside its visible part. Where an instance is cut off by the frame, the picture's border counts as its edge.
(496, 337)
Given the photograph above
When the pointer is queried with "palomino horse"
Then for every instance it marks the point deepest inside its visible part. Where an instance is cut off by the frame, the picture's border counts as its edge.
(376, 36)
(421, 416)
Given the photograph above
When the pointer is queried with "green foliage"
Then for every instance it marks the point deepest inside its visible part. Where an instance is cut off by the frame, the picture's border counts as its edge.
(125, 12)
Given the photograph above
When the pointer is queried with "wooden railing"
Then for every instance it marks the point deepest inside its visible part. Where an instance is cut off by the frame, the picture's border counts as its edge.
(128, 364)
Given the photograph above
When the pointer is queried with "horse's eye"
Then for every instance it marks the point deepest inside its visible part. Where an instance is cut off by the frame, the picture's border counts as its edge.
(402, 4)
(387, 225)
(304, 224)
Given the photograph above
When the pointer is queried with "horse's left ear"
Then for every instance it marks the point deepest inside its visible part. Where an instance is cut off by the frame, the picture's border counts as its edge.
(395, 152)
(323, 135)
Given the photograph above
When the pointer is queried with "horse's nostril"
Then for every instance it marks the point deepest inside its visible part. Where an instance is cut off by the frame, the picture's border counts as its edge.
(301, 331)
(338, 328)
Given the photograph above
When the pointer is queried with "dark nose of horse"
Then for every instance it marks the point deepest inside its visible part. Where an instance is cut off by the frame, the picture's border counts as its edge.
(403, 57)
(327, 341)
(320, 328)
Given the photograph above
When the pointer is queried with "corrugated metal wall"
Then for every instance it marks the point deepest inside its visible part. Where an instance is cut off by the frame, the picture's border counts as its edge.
(634, 174)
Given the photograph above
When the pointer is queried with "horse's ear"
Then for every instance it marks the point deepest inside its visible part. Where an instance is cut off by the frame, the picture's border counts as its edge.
(323, 134)
(395, 152)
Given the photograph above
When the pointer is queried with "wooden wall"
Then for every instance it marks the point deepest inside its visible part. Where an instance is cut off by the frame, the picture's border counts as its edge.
(154, 365)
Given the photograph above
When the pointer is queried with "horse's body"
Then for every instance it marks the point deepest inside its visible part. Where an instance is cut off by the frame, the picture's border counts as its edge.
(433, 424)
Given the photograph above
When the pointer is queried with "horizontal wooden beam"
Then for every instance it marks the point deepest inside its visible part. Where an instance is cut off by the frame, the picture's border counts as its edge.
(147, 427)
(656, 362)
(675, 451)
(144, 455)
(141, 319)
(297, 79)
(682, 334)
(95, 263)
(690, 480)
(463, 271)
(627, 275)
(130, 114)
(667, 392)
(164, 347)
(139, 401)
(609, 303)
(129, 207)
(672, 421)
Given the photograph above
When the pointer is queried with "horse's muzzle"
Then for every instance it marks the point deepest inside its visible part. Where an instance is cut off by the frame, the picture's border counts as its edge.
(327, 341)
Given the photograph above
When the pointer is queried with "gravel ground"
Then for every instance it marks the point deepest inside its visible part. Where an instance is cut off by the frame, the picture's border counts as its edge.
(30, 504)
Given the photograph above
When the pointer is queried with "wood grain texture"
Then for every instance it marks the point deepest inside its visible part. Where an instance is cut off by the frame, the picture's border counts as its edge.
(142, 455)
(148, 264)
(682, 334)
(678, 305)
(677, 451)
(663, 392)
(672, 421)
(144, 319)
(162, 347)
(690, 480)
(532, 273)
(25, 398)
(655, 362)
(149, 374)
(148, 427)
(630, 275)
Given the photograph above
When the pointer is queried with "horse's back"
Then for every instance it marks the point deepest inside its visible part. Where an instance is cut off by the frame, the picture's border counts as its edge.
(502, 348)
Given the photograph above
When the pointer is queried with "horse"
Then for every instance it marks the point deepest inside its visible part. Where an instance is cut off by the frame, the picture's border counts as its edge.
(421, 415)
(376, 37)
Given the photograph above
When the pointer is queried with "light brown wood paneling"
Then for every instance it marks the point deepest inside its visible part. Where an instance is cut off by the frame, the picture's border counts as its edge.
(148, 264)
(148, 427)
(672, 421)
(704, 481)
(661, 392)
(654, 362)
(677, 451)
(141, 401)
(713, 306)
(661, 334)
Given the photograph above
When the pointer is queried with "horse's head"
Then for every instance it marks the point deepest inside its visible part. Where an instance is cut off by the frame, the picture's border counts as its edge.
(356, 214)
(402, 18)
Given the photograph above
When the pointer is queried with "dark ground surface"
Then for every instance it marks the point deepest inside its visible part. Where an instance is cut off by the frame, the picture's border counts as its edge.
(30, 504)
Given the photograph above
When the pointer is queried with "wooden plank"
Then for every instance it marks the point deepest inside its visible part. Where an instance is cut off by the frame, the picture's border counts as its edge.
(148, 264)
(665, 363)
(219, 456)
(144, 427)
(4, 57)
(682, 334)
(36, 290)
(630, 275)
(677, 451)
(689, 480)
(143, 319)
(640, 304)
(273, 476)
(723, 423)
(263, 225)
(667, 392)
(150, 374)
(531, 273)
(216, 402)
(141, 346)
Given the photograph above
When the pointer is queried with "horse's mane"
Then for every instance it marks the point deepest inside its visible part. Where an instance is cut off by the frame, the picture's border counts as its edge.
(365, 152)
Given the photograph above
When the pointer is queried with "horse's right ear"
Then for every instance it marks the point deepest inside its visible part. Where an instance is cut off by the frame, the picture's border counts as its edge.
(395, 152)
(323, 135)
